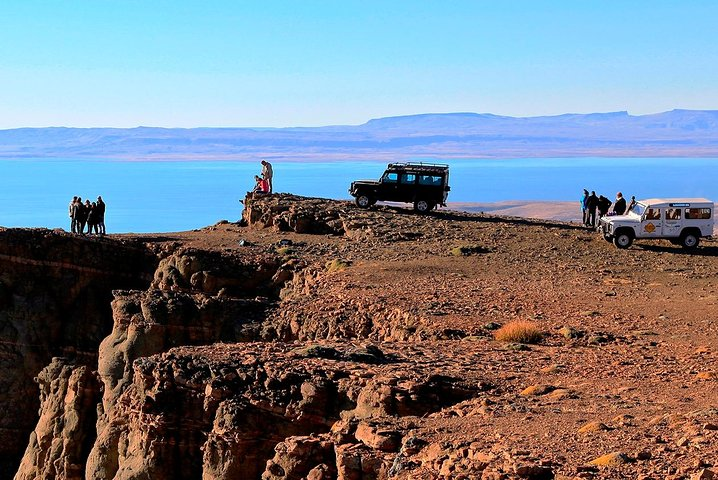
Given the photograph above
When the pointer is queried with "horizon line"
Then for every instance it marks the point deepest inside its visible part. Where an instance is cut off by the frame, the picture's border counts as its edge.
(426, 114)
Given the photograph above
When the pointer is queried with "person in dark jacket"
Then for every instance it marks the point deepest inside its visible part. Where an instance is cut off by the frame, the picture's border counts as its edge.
(81, 216)
(86, 214)
(603, 205)
(619, 207)
(101, 215)
(92, 219)
(584, 210)
(591, 205)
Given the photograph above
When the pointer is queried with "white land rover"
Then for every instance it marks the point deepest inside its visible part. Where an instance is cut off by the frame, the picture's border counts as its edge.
(682, 221)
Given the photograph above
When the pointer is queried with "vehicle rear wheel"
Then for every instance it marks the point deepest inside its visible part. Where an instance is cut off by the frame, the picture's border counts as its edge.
(689, 240)
(422, 206)
(622, 240)
(363, 201)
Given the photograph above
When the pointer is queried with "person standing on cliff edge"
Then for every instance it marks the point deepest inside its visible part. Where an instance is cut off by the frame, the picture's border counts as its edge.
(101, 215)
(591, 205)
(72, 210)
(267, 174)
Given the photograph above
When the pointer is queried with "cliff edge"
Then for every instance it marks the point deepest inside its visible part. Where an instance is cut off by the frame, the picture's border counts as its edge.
(316, 340)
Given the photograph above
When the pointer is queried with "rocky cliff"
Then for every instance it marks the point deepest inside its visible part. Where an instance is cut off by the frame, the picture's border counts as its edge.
(55, 292)
(320, 341)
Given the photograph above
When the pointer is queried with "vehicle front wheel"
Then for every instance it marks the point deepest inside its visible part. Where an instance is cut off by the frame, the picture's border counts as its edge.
(689, 240)
(422, 206)
(622, 240)
(363, 201)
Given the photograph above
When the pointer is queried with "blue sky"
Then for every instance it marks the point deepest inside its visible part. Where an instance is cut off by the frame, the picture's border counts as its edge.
(181, 63)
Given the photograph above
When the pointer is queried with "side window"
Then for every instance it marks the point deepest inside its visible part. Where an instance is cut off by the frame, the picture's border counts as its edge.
(673, 213)
(698, 213)
(430, 180)
(390, 177)
(408, 178)
(653, 214)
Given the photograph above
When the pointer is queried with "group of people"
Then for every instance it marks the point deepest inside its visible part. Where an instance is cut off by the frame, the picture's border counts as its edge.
(88, 214)
(592, 204)
(263, 183)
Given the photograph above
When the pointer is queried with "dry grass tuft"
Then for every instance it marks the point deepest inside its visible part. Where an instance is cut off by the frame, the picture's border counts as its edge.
(285, 251)
(466, 250)
(519, 331)
(337, 265)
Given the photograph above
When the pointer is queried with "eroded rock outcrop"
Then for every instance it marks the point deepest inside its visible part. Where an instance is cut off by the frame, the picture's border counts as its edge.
(62, 437)
(55, 291)
(195, 298)
(291, 213)
(218, 412)
(214, 273)
(285, 212)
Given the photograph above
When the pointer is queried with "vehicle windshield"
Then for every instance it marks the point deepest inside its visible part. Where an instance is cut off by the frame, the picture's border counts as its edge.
(638, 209)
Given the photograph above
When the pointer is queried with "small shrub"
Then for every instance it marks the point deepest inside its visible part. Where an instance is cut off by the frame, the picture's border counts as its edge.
(519, 331)
(285, 250)
(571, 333)
(466, 250)
(337, 265)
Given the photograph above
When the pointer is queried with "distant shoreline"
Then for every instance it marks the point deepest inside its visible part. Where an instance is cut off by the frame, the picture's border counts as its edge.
(327, 158)
(330, 158)
(677, 133)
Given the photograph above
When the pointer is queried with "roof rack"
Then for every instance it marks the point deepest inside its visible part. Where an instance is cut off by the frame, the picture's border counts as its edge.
(420, 166)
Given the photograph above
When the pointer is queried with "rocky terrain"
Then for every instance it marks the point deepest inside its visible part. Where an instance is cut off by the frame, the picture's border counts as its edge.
(316, 340)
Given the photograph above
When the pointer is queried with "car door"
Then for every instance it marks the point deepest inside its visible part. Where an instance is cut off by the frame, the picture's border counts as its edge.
(672, 222)
(407, 187)
(389, 186)
(651, 223)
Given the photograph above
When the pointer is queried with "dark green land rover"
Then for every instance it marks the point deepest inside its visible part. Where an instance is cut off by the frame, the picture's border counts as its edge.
(425, 185)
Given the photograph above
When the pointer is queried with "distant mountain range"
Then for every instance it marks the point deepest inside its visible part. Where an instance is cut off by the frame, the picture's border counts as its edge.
(680, 133)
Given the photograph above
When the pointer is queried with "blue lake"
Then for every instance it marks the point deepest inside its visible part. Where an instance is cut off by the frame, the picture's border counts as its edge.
(173, 196)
